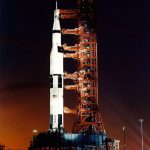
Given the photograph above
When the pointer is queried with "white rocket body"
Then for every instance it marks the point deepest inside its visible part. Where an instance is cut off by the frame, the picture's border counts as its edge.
(56, 77)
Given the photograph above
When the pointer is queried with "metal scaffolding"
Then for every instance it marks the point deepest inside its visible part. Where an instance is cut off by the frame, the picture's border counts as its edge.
(88, 118)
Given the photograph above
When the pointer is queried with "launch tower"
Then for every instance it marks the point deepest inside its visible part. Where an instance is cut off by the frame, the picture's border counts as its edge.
(88, 118)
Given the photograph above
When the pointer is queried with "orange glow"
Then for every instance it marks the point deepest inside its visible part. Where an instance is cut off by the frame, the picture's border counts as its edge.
(23, 110)
(69, 111)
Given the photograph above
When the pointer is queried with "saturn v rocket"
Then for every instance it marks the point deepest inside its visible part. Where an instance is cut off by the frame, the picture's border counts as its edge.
(56, 76)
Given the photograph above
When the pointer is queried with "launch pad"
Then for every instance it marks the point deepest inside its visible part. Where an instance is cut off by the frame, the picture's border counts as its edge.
(88, 131)
(68, 141)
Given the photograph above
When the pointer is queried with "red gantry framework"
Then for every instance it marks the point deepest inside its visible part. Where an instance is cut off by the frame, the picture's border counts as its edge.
(88, 118)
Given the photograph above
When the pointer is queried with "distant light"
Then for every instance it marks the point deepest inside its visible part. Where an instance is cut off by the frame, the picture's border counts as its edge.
(142, 144)
(141, 120)
(34, 131)
(123, 128)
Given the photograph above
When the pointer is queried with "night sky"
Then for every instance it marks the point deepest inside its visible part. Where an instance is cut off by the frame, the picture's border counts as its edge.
(123, 34)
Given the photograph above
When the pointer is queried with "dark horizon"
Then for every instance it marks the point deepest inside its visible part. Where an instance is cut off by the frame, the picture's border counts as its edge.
(123, 35)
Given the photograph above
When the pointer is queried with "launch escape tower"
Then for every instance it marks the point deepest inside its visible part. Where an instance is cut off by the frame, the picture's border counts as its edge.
(88, 129)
